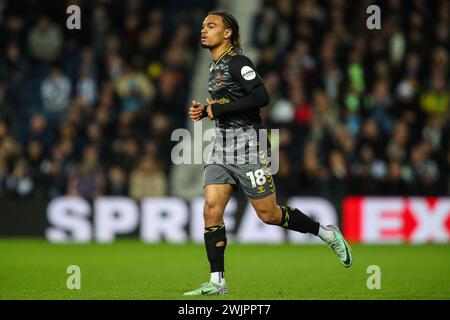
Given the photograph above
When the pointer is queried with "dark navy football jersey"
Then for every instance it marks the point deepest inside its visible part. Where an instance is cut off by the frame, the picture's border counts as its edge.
(232, 77)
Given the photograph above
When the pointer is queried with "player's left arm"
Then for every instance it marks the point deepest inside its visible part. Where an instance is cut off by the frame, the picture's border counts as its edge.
(243, 71)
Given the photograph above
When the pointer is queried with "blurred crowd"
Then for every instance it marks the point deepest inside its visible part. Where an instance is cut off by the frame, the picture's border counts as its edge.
(361, 111)
(90, 112)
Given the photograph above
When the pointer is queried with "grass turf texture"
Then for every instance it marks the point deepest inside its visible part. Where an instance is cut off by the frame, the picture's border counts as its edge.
(129, 269)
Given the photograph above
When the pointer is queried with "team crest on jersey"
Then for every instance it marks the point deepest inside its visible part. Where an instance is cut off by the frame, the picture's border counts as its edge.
(218, 79)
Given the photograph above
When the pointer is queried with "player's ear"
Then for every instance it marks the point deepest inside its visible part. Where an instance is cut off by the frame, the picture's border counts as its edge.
(227, 34)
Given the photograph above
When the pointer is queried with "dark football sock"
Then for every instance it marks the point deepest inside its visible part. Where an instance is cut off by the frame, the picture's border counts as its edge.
(215, 243)
(294, 219)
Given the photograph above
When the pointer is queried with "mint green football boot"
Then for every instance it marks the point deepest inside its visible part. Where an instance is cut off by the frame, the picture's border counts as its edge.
(340, 247)
(208, 289)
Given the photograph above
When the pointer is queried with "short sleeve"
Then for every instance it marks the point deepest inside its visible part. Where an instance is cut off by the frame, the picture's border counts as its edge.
(243, 71)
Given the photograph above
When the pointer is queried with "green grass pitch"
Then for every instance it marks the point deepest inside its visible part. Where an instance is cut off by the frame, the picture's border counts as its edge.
(129, 269)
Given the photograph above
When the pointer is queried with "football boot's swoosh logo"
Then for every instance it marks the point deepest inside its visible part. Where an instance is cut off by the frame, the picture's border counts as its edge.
(347, 260)
(206, 291)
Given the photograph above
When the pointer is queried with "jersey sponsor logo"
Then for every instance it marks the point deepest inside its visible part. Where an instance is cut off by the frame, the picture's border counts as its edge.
(222, 100)
(248, 73)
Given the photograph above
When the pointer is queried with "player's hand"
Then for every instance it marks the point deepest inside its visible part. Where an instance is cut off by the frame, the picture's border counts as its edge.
(209, 109)
(196, 111)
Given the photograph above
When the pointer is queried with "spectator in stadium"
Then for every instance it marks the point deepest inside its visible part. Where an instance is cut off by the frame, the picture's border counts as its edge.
(435, 100)
(45, 40)
(117, 182)
(56, 91)
(87, 87)
(269, 29)
(169, 100)
(19, 183)
(134, 89)
(338, 176)
(10, 150)
(34, 157)
(100, 26)
(286, 182)
(7, 112)
(13, 65)
(147, 180)
(425, 171)
(127, 152)
(87, 180)
(395, 184)
(58, 168)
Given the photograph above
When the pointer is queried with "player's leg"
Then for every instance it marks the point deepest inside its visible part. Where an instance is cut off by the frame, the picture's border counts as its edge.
(293, 219)
(290, 218)
(216, 199)
(218, 188)
(257, 183)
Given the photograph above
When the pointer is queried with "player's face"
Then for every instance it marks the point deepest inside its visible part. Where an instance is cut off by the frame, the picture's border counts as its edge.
(213, 32)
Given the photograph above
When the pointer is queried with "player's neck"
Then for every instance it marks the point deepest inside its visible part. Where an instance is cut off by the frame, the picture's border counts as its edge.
(218, 51)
